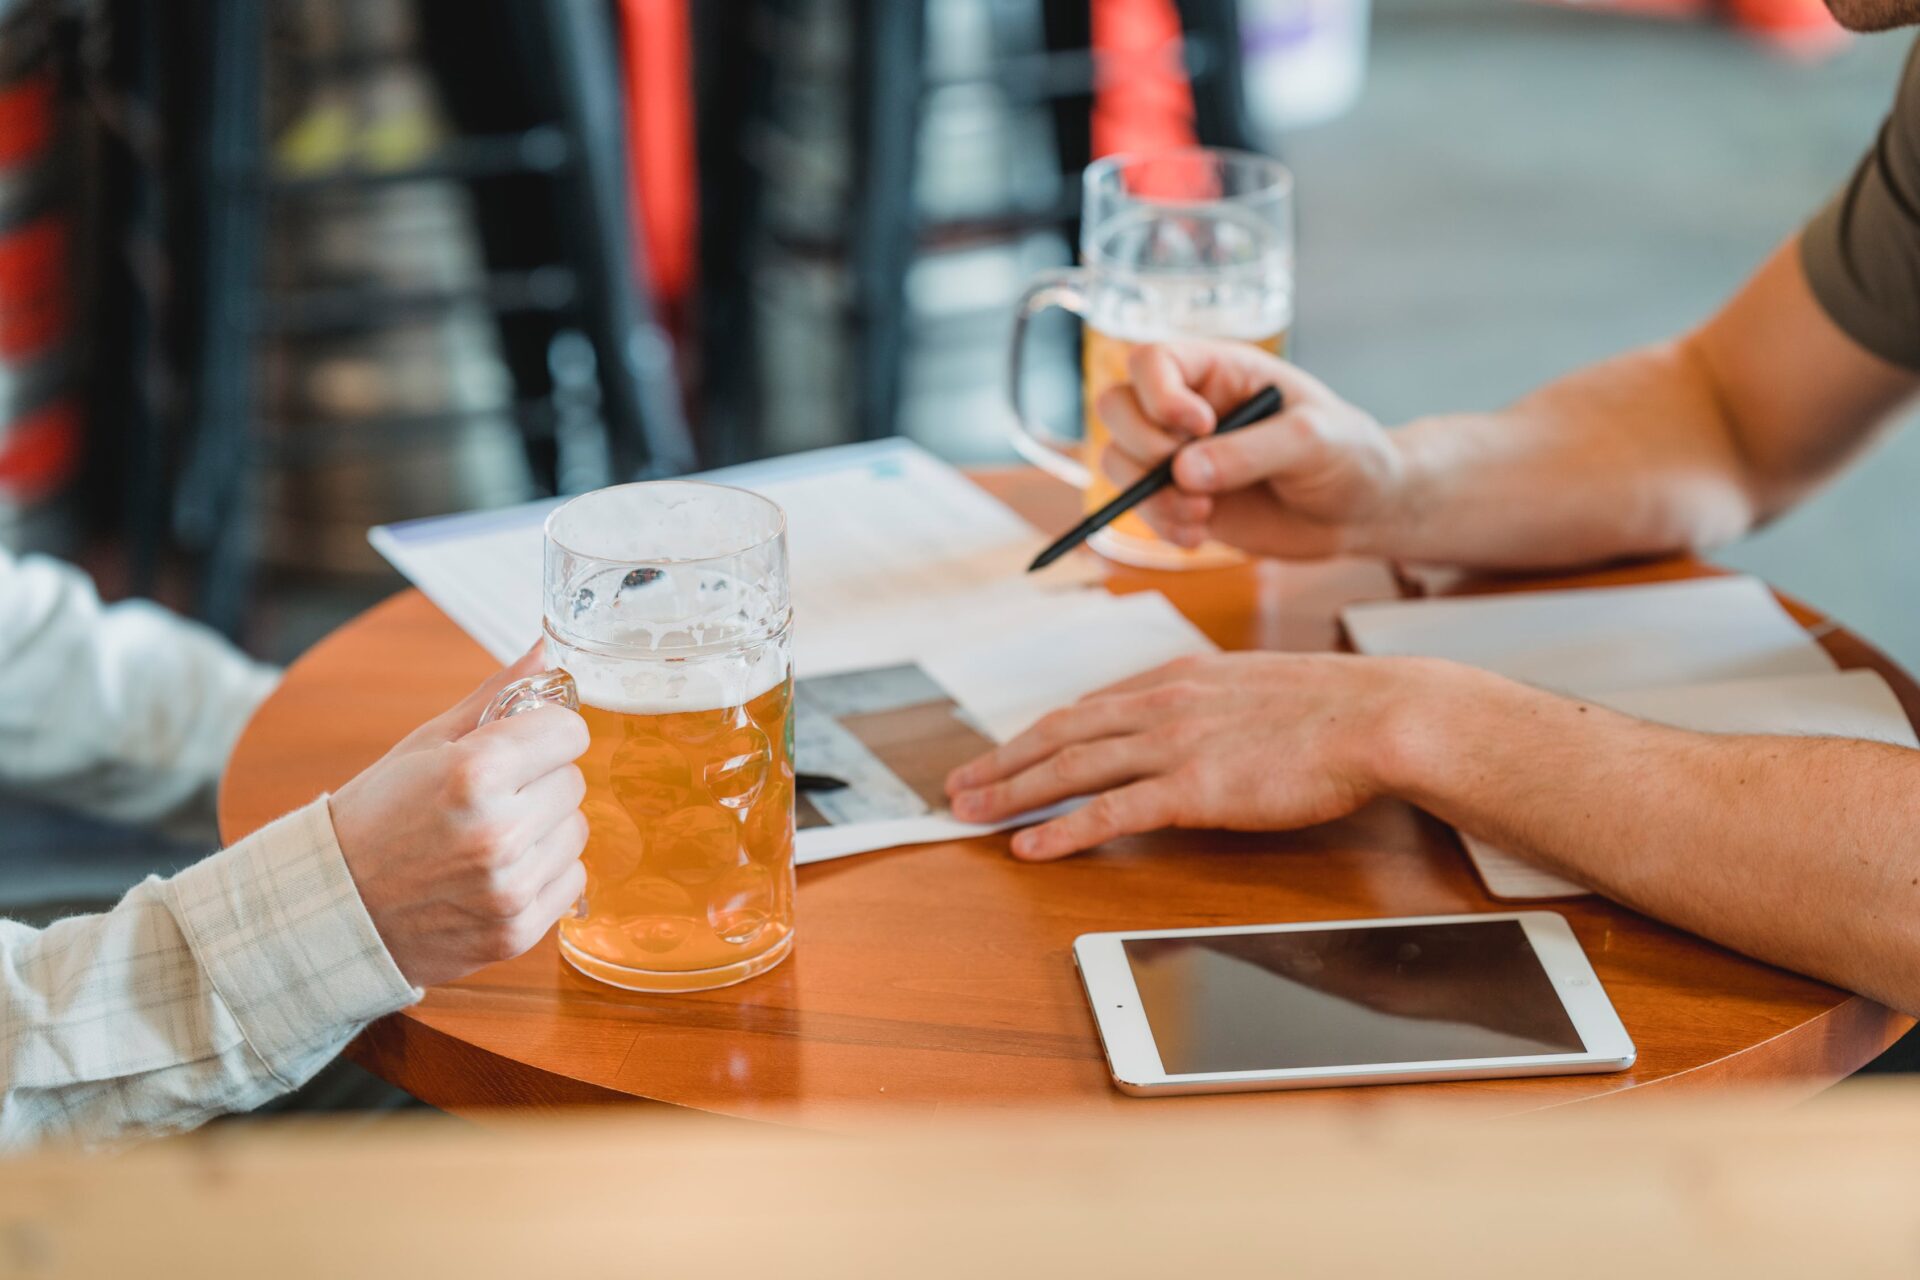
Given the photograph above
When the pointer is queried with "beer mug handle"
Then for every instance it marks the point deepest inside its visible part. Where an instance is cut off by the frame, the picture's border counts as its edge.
(554, 687)
(1065, 288)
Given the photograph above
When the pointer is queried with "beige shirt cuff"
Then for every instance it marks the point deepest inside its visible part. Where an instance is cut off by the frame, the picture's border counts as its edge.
(278, 925)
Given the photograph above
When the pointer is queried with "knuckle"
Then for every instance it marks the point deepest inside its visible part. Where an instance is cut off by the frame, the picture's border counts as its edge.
(1184, 734)
(473, 777)
(1051, 728)
(1170, 697)
(504, 902)
(1073, 762)
(996, 762)
(1107, 812)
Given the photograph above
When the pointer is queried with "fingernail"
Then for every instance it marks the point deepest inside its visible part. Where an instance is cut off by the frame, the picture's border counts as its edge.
(1023, 845)
(967, 805)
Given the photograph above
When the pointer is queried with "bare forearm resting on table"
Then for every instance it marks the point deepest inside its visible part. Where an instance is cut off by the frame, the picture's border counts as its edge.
(1804, 852)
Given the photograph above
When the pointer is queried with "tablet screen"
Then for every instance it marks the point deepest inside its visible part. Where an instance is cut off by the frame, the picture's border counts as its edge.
(1347, 997)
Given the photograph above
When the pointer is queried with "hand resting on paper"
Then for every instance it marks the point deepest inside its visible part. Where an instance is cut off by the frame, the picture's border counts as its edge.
(1245, 741)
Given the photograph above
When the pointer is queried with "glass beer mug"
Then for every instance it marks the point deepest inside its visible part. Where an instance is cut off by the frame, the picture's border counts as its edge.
(1189, 243)
(667, 621)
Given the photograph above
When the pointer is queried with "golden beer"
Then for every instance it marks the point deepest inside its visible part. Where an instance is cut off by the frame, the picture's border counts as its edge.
(1183, 243)
(690, 848)
(668, 616)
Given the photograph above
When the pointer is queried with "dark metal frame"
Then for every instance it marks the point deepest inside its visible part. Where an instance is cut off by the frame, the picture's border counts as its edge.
(883, 232)
(193, 173)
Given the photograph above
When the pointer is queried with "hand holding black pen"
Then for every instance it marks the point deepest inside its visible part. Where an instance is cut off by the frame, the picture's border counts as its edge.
(1262, 405)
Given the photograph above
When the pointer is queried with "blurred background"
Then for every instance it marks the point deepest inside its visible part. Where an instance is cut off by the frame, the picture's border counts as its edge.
(272, 271)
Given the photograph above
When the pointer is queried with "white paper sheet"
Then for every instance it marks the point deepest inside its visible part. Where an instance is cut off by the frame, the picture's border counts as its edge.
(1594, 641)
(1514, 879)
(1003, 678)
(1059, 656)
(482, 568)
(823, 844)
(1844, 704)
(887, 545)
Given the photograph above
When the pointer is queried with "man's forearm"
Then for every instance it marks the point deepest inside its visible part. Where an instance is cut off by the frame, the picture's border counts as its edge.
(1630, 457)
(1670, 448)
(1804, 852)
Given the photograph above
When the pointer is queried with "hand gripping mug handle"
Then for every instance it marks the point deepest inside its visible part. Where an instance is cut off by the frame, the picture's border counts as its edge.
(555, 687)
(1065, 288)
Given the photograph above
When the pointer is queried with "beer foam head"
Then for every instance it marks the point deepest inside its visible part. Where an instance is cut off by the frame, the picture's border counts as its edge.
(665, 522)
(666, 570)
(640, 686)
(1213, 271)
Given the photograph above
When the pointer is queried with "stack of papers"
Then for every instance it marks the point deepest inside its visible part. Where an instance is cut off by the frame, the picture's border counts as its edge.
(919, 641)
(1715, 655)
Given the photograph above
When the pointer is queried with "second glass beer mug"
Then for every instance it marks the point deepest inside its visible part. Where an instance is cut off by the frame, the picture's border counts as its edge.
(667, 620)
(1185, 243)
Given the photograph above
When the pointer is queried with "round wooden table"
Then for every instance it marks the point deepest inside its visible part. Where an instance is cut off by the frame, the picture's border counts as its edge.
(940, 976)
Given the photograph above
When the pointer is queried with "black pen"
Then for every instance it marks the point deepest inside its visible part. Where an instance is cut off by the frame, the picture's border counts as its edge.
(1262, 405)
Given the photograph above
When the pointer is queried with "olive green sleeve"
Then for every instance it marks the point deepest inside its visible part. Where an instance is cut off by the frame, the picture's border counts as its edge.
(1862, 251)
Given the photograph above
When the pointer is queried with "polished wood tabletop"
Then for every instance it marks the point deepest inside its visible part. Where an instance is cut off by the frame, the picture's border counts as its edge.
(939, 978)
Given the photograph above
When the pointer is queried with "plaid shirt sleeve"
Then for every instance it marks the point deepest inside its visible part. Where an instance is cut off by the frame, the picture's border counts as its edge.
(214, 991)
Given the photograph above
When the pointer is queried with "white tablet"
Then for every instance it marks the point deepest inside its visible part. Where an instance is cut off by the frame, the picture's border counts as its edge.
(1294, 1006)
